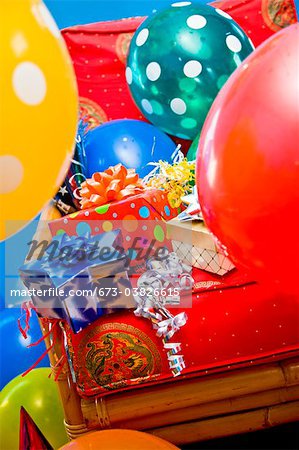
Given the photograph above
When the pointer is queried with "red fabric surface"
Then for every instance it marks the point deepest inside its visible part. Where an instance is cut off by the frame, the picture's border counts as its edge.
(118, 352)
(226, 328)
(232, 322)
(259, 18)
(207, 281)
(99, 53)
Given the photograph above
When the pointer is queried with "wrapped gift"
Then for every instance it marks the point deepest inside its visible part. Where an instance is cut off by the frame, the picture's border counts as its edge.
(141, 218)
(79, 279)
(194, 244)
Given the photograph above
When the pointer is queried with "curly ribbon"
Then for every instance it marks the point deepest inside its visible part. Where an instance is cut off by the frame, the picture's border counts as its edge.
(169, 272)
(170, 326)
(176, 361)
(175, 178)
(26, 308)
(114, 184)
(177, 364)
(142, 311)
(45, 353)
(193, 211)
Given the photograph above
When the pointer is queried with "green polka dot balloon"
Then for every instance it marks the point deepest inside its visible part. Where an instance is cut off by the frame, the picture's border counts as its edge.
(178, 61)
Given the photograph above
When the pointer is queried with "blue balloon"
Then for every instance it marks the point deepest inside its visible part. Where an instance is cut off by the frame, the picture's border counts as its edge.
(130, 142)
(15, 357)
(2, 279)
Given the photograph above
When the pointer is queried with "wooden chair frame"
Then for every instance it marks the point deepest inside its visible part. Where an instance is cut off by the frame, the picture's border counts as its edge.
(183, 411)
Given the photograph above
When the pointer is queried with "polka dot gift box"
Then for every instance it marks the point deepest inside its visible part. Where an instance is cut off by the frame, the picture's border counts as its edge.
(141, 218)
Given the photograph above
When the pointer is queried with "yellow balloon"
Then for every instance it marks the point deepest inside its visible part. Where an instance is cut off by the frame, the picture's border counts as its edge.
(38, 111)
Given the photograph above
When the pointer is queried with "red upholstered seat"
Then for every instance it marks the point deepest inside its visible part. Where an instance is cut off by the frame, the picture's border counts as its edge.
(229, 325)
(99, 53)
(232, 323)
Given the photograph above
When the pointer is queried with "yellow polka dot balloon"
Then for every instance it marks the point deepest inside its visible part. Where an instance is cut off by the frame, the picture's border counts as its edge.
(38, 111)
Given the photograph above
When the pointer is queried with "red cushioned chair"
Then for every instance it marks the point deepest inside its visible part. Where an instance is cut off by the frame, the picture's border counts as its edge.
(240, 344)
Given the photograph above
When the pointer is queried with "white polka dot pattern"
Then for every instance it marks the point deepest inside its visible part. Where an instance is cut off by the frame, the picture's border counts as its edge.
(180, 4)
(192, 69)
(178, 106)
(44, 18)
(11, 173)
(233, 43)
(29, 83)
(153, 71)
(196, 22)
(129, 75)
(142, 37)
(147, 106)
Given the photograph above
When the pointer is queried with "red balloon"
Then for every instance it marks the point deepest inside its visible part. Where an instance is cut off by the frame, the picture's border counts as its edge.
(248, 164)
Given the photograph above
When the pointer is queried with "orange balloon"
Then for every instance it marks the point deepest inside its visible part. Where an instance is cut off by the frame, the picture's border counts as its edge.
(118, 440)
